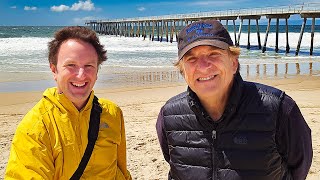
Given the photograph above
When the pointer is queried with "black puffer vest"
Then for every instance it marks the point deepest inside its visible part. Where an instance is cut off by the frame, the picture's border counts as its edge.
(241, 145)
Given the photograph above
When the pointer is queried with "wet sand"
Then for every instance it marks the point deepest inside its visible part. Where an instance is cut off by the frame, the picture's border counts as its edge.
(141, 104)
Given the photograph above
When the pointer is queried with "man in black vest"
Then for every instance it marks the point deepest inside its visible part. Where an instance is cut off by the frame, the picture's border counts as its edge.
(223, 127)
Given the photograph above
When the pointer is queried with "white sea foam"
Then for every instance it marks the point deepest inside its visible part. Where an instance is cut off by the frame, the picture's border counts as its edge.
(271, 41)
(13, 45)
(116, 44)
(30, 53)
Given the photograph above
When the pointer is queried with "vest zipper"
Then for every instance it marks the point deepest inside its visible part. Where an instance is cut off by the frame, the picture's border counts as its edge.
(214, 154)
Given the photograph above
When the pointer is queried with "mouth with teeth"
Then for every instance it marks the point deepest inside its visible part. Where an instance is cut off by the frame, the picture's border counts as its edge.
(206, 78)
(78, 85)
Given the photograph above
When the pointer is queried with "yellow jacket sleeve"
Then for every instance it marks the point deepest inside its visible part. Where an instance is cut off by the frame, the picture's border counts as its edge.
(30, 154)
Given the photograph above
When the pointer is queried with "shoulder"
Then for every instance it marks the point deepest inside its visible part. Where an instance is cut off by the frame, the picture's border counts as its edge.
(288, 104)
(109, 106)
(112, 117)
(34, 121)
(263, 89)
(177, 99)
(175, 104)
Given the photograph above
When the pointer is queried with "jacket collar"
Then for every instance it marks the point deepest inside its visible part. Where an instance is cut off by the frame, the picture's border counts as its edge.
(231, 107)
(63, 103)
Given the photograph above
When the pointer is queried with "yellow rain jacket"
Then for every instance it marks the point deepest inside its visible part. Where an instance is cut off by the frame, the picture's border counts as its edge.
(51, 139)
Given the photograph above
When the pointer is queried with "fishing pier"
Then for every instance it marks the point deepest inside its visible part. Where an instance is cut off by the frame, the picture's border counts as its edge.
(166, 28)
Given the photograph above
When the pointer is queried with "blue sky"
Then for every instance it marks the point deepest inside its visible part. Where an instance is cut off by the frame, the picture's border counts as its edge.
(75, 12)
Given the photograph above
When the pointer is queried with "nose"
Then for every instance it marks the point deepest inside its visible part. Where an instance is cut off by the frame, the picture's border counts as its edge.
(203, 63)
(81, 73)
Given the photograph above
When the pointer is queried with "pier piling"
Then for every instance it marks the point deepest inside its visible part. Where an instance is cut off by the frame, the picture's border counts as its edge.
(239, 34)
(234, 30)
(248, 45)
(301, 34)
(312, 35)
(266, 37)
(277, 35)
(258, 33)
(287, 37)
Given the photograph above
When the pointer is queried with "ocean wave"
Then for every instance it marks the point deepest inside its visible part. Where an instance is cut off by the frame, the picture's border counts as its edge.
(136, 53)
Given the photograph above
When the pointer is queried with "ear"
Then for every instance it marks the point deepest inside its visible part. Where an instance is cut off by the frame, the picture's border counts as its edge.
(182, 68)
(54, 71)
(235, 64)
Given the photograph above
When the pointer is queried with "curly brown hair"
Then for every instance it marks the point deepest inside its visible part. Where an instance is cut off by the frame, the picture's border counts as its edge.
(75, 32)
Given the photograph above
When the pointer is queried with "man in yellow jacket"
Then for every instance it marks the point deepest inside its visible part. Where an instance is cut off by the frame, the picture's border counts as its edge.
(50, 141)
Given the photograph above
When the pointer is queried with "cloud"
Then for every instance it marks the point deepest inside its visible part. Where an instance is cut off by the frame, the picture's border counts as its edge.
(13, 7)
(141, 8)
(28, 8)
(86, 6)
(59, 8)
(81, 5)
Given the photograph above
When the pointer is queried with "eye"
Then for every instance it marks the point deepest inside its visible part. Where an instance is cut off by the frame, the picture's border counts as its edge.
(71, 65)
(89, 66)
(190, 59)
(215, 55)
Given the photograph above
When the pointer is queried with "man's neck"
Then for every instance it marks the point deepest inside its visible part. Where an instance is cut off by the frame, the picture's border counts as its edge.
(215, 106)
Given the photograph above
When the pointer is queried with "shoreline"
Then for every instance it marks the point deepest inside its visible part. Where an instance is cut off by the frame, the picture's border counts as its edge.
(126, 77)
(141, 105)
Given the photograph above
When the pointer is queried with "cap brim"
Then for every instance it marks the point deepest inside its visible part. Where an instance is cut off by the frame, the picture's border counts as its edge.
(204, 42)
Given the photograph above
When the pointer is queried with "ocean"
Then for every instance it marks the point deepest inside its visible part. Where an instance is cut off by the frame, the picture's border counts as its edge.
(137, 62)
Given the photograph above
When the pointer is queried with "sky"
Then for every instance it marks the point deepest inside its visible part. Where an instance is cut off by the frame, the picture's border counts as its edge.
(76, 12)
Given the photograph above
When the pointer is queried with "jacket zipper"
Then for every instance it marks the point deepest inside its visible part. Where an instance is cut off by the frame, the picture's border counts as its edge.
(214, 154)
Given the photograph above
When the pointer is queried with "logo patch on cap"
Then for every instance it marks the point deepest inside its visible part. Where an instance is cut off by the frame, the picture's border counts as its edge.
(199, 31)
(198, 26)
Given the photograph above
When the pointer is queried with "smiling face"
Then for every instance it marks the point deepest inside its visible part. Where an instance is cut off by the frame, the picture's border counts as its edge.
(209, 71)
(76, 70)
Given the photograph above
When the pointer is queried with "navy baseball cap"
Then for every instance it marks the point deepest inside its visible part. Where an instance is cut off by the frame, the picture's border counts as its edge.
(205, 32)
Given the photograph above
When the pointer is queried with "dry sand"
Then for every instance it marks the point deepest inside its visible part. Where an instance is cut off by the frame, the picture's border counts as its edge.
(141, 107)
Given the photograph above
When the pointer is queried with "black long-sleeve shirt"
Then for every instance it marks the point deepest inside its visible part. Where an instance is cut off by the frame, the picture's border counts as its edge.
(293, 139)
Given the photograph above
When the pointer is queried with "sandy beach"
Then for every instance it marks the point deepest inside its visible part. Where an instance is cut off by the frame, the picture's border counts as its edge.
(141, 105)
